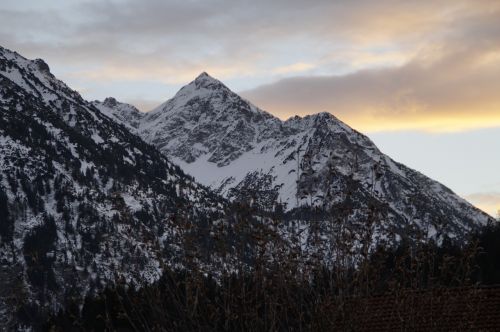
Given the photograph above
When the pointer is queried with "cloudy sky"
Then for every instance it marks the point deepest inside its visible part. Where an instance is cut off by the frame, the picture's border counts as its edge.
(421, 78)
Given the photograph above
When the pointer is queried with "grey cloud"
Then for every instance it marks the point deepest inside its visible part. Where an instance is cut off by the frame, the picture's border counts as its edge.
(100, 30)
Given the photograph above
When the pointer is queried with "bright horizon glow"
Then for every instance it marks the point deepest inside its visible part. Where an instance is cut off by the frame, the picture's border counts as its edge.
(439, 124)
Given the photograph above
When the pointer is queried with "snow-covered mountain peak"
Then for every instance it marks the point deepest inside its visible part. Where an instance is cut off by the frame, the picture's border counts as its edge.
(245, 153)
(320, 120)
(201, 86)
(205, 81)
(122, 113)
(206, 118)
(205, 94)
(205, 78)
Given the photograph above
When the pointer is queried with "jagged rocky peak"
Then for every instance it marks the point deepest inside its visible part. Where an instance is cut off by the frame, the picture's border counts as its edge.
(202, 86)
(206, 95)
(322, 119)
(35, 77)
(42, 66)
(204, 76)
(204, 80)
(113, 103)
(205, 118)
(110, 102)
(123, 113)
(37, 65)
(4, 51)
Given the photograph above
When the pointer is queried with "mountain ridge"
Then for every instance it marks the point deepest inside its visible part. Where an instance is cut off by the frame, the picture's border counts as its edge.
(240, 151)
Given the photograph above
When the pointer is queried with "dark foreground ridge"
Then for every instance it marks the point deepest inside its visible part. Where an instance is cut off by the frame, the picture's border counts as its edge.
(410, 289)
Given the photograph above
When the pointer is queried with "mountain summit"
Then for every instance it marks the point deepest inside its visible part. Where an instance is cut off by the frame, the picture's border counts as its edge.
(205, 79)
(243, 152)
(205, 117)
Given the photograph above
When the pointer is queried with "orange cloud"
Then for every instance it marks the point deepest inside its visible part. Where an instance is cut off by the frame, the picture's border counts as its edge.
(443, 121)
(449, 86)
(372, 120)
(159, 72)
(488, 202)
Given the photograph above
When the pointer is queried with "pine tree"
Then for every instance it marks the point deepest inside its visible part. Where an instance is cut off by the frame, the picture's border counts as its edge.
(6, 222)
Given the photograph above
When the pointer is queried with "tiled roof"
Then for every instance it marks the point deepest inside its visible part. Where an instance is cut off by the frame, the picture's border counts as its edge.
(451, 309)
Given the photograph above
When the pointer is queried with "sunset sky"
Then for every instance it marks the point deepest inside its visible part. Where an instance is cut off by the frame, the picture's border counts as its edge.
(421, 78)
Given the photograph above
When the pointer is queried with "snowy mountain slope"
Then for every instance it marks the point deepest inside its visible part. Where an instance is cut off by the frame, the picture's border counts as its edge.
(242, 152)
(122, 113)
(83, 202)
